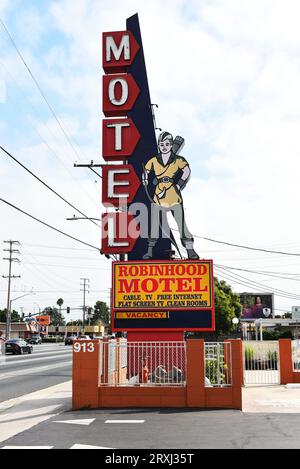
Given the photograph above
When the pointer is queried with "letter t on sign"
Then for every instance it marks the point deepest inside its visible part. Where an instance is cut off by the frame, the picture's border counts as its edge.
(120, 138)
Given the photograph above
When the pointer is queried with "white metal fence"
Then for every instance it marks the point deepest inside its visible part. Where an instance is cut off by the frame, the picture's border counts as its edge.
(296, 355)
(218, 364)
(261, 362)
(125, 363)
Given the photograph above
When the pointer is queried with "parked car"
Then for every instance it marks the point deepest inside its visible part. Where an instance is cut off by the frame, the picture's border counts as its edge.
(69, 340)
(83, 337)
(35, 340)
(17, 347)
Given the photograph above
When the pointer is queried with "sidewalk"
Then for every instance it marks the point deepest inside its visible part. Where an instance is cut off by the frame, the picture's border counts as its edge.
(23, 413)
(271, 399)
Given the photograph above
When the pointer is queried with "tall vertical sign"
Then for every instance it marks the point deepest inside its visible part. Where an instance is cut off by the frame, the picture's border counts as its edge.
(153, 304)
(128, 140)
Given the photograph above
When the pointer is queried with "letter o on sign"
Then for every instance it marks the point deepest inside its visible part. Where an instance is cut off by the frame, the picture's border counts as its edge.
(112, 92)
(149, 285)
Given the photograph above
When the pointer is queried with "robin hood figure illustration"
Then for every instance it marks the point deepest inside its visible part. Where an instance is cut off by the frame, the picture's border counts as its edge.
(171, 174)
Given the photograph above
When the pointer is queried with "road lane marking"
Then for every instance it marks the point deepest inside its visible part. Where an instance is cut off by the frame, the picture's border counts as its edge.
(78, 446)
(27, 447)
(39, 354)
(34, 370)
(33, 359)
(124, 421)
(76, 422)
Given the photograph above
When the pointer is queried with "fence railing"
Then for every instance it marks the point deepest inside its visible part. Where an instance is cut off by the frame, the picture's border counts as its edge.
(218, 364)
(261, 362)
(296, 355)
(125, 363)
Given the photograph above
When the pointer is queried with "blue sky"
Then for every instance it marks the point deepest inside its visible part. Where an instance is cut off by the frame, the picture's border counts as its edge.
(225, 75)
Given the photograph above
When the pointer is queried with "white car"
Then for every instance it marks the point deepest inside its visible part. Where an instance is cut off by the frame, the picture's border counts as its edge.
(83, 337)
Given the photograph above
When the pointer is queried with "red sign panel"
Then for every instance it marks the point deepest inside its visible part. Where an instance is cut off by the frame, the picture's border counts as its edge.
(120, 93)
(119, 139)
(119, 232)
(119, 185)
(119, 51)
(43, 320)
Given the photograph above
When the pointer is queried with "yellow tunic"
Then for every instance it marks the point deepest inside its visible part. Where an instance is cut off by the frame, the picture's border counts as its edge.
(172, 194)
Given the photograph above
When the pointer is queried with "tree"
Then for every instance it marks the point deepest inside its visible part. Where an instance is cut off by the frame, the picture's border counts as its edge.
(75, 323)
(60, 302)
(227, 306)
(57, 318)
(102, 312)
(287, 316)
(15, 317)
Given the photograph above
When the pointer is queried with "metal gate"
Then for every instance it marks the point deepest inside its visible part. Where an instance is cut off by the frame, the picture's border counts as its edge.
(261, 362)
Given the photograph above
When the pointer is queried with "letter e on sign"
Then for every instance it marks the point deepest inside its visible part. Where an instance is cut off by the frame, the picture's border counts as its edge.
(119, 185)
(119, 51)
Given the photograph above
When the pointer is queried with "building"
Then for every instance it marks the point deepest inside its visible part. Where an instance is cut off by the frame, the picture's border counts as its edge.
(21, 330)
(63, 331)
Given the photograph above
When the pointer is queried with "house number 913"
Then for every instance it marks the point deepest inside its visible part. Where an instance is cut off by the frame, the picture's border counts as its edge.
(84, 347)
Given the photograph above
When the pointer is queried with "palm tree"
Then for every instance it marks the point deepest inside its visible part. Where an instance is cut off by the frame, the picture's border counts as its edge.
(60, 302)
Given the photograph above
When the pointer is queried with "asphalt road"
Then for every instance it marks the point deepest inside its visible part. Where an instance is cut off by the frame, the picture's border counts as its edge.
(50, 364)
(166, 429)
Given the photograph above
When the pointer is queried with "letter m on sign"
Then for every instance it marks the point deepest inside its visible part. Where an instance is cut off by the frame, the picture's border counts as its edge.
(119, 51)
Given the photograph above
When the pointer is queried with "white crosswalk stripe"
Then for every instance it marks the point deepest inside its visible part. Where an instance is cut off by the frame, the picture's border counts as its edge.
(84, 422)
(78, 446)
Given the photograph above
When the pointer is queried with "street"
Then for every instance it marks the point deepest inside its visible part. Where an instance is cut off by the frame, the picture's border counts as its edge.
(167, 429)
(50, 364)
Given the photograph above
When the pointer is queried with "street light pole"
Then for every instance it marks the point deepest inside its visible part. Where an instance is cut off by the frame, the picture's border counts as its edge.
(86, 285)
(19, 297)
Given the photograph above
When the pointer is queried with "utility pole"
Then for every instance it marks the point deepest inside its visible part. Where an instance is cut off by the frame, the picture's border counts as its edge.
(10, 259)
(86, 287)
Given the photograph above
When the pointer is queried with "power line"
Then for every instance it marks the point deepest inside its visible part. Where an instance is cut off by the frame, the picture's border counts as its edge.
(46, 185)
(42, 138)
(278, 275)
(55, 247)
(65, 266)
(54, 278)
(250, 248)
(39, 89)
(49, 226)
(249, 283)
(258, 283)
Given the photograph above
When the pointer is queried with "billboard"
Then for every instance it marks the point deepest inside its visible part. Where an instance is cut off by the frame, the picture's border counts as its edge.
(257, 305)
(43, 322)
(296, 313)
(164, 295)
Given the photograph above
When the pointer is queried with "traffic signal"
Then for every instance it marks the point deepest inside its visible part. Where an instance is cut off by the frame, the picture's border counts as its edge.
(68, 309)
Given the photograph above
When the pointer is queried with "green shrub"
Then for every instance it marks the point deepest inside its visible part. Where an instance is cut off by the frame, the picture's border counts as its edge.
(53, 340)
(272, 356)
(249, 353)
(215, 371)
